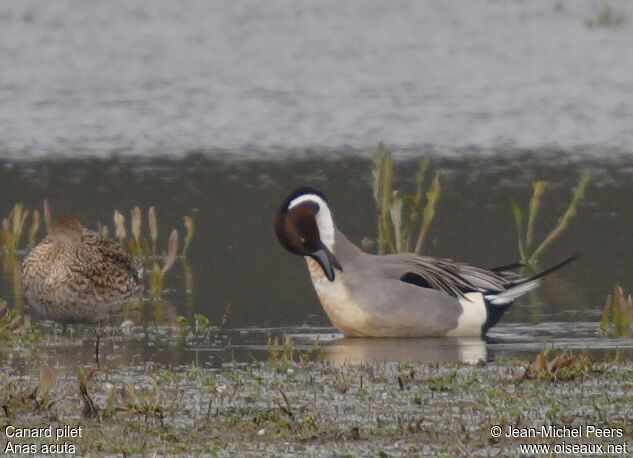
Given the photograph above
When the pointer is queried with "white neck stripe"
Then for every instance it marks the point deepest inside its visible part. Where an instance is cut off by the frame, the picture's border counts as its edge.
(323, 217)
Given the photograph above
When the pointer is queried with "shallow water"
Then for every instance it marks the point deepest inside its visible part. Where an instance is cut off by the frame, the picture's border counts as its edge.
(158, 77)
(236, 260)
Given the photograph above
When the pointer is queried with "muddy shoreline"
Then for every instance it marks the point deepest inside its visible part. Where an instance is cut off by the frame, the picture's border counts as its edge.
(295, 404)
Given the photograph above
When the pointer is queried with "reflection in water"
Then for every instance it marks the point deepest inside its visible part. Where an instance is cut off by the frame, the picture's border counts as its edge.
(235, 259)
(354, 351)
(13, 268)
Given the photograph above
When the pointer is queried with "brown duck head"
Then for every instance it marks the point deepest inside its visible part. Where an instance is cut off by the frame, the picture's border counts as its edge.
(304, 226)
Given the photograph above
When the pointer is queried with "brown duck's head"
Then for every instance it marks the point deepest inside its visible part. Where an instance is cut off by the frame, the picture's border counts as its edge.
(304, 226)
(66, 224)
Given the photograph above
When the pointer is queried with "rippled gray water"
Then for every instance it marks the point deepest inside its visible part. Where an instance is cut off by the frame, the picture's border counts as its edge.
(235, 258)
(162, 77)
(116, 104)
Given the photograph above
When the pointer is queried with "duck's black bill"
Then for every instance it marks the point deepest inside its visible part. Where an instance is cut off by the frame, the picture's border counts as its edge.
(327, 261)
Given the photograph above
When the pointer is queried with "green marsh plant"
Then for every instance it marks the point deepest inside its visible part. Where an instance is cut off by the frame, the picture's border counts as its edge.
(617, 317)
(564, 365)
(10, 322)
(191, 229)
(529, 254)
(146, 249)
(399, 214)
(158, 271)
(13, 227)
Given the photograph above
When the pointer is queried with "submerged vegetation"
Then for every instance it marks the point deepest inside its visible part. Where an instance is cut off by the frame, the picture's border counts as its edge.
(399, 213)
(529, 254)
(617, 317)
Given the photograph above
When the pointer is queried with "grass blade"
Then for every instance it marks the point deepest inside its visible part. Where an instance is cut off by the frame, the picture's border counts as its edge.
(432, 197)
(518, 220)
(153, 227)
(579, 194)
(35, 227)
(191, 229)
(416, 206)
(535, 203)
(396, 219)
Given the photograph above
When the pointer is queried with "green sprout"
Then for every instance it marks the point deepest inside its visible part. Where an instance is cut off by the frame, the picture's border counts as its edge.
(158, 272)
(119, 223)
(153, 227)
(395, 228)
(617, 317)
(191, 229)
(12, 227)
(35, 228)
(528, 254)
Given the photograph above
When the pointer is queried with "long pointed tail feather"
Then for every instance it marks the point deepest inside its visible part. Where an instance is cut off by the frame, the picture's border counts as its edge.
(524, 286)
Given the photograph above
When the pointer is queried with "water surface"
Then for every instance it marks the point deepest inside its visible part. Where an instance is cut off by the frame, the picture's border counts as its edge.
(147, 77)
(235, 260)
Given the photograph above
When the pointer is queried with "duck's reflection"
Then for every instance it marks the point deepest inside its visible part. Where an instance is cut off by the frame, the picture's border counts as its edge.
(355, 350)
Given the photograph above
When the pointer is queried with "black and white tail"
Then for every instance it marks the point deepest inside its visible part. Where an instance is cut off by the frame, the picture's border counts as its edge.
(522, 287)
(497, 302)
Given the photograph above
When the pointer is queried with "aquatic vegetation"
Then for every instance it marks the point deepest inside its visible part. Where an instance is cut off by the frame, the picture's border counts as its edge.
(156, 264)
(191, 229)
(158, 271)
(312, 408)
(529, 254)
(15, 329)
(315, 351)
(36, 397)
(146, 402)
(9, 321)
(223, 323)
(617, 317)
(13, 228)
(563, 366)
(153, 227)
(135, 243)
(35, 228)
(399, 213)
(278, 352)
(198, 329)
(83, 379)
(119, 224)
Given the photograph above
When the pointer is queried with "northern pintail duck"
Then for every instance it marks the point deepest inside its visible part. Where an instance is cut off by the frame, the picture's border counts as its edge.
(397, 295)
(76, 276)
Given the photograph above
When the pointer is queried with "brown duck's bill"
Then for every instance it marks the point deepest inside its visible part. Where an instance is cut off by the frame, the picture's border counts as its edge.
(327, 261)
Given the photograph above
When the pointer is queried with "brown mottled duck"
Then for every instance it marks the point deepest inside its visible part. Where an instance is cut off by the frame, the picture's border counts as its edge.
(76, 276)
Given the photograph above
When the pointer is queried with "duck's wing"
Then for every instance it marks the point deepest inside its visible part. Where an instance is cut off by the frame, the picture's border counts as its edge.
(455, 279)
(499, 287)
(110, 265)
